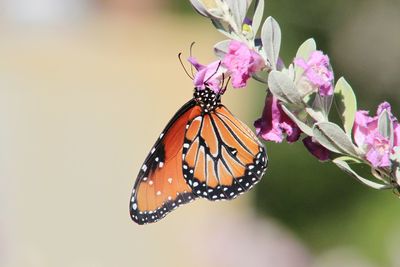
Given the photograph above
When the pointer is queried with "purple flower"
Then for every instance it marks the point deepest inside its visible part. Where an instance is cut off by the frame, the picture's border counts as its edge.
(317, 71)
(208, 75)
(247, 21)
(316, 149)
(275, 124)
(241, 62)
(377, 147)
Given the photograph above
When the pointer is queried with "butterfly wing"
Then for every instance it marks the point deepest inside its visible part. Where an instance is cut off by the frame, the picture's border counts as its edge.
(160, 186)
(222, 157)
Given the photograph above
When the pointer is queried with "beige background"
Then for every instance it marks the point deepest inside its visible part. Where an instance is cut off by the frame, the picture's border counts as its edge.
(80, 106)
(84, 92)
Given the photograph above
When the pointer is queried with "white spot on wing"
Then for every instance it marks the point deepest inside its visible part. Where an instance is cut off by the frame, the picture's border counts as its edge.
(170, 180)
(144, 167)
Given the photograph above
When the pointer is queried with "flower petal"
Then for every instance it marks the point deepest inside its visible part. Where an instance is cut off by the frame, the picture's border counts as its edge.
(316, 149)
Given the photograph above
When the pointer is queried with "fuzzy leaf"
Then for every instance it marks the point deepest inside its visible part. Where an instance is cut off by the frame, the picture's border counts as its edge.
(346, 103)
(221, 28)
(238, 11)
(306, 49)
(221, 48)
(260, 77)
(323, 105)
(397, 174)
(350, 159)
(304, 52)
(258, 15)
(318, 116)
(283, 88)
(344, 166)
(385, 126)
(199, 7)
(333, 138)
(303, 127)
(271, 39)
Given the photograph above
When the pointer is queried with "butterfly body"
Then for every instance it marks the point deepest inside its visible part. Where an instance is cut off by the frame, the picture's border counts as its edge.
(203, 152)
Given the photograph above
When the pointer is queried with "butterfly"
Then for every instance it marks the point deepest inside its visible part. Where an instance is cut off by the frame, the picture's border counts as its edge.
(203, 152)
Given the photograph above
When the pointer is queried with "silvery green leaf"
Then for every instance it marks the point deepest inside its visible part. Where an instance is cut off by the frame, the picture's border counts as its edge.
(380, 175)
(283, 88)
(238, 9)
(221, 28)
(216, 13)
(200, 8)
(385, 126)
(346, 103)
(242, 10)
(322, 104)
(258, 15)
(289, 71)
(271, 39)
(303, 127)
(344, 166)
(350, 159)
(260, 77)
(334, 138)
(221, 48)
(397, 174)
(304, 52)
(318, 116)
(395, 158)
(306, 49)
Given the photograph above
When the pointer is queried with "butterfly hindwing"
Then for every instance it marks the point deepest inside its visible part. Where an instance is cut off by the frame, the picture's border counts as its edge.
(160, 186)
(222, 157)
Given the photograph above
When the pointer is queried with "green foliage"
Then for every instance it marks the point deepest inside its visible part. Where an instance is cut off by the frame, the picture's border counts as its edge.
(346, 103)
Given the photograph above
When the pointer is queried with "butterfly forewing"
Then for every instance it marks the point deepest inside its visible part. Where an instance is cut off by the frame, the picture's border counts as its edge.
(222, 158)
(160, 186)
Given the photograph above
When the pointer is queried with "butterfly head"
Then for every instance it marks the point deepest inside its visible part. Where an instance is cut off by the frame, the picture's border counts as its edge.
(207, 99)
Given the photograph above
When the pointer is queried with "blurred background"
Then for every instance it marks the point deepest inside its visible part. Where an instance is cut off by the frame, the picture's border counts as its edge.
(86, 86)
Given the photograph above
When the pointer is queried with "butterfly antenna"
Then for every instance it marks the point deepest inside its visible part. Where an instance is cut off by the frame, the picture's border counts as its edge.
(191, 55)
(226, 84)
(184, 68)
(215, 72)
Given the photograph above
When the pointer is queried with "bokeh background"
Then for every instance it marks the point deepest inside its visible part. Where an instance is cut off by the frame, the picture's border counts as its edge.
(87, 85)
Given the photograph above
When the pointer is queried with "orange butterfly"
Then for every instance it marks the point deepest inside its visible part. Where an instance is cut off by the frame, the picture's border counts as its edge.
(203, 152)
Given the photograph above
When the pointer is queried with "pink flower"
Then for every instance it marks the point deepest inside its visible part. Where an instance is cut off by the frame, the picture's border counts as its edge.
(317, 71)
(241, 63)
(377, 148)
(274, 123)
(210, 76)
(316, 149)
